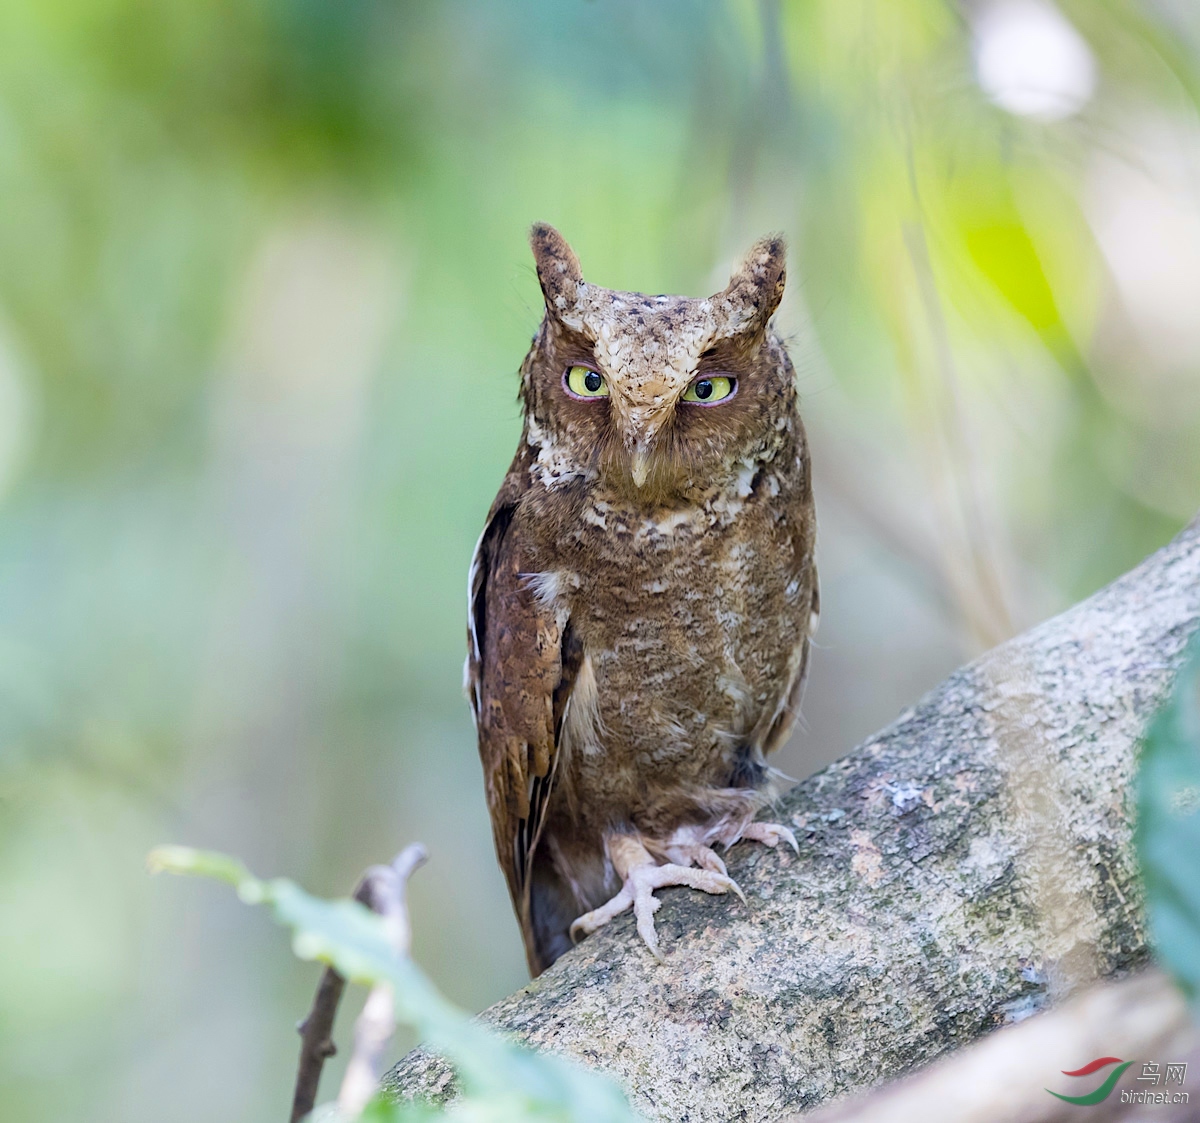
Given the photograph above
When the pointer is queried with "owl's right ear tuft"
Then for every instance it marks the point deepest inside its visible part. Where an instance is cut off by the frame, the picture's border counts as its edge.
(756, 287)
(557, 267)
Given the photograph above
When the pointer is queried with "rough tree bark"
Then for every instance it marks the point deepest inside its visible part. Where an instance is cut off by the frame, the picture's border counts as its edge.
(966, 867)
(1003, 1078)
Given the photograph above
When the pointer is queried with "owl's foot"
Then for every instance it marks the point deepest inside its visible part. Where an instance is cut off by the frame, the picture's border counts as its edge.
(641, 875)
(770, 834)
(696, 854)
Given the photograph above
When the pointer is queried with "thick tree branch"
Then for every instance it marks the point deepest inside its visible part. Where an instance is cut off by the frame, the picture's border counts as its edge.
(968, 866)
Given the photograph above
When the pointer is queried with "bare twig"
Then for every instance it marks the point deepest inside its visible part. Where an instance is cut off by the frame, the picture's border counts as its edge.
(377, 1022)
(316, 1031)
(316, 1041)
(381, 889)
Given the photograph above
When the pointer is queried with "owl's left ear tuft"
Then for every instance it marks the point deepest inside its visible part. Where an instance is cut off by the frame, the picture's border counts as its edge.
(756, 286)
(557, 267)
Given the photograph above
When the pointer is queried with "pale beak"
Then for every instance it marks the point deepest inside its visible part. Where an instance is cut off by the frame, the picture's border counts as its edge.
(641, 465)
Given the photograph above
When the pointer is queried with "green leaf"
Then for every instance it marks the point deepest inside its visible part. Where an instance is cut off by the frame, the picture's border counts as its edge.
(1002, 248)
(344, 934)
(501, 1081)
(383, 1110)
(1168, 829)
(206, 863)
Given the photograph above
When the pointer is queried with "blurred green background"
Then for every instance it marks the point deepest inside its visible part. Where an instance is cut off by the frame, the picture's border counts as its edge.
(264, 288)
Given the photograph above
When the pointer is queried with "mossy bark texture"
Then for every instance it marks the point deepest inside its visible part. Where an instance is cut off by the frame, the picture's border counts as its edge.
(966, 867)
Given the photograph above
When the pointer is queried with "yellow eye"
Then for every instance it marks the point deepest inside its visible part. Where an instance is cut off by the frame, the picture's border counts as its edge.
(586, 383)
(709, 391)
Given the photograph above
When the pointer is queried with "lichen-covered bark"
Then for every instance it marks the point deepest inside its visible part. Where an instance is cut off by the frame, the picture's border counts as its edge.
(965, 867)
(1004, 1077)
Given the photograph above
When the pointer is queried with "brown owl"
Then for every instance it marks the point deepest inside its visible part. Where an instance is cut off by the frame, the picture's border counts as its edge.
(642, 597)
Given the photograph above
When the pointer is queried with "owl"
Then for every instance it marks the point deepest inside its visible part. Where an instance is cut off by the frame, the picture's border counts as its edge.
(641, 598)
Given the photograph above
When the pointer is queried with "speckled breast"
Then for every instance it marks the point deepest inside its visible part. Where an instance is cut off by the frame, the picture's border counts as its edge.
(689, 622)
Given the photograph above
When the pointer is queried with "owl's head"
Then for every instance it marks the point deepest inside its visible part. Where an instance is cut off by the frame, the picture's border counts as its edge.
(658, 396)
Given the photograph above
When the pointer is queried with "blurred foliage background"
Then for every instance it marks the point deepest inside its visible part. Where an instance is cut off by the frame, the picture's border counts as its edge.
(264, 288)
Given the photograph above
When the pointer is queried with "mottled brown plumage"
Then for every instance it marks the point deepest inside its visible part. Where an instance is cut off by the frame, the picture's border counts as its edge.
(641, 598)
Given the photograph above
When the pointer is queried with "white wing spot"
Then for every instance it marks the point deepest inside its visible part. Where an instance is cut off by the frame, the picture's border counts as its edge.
(544, 586)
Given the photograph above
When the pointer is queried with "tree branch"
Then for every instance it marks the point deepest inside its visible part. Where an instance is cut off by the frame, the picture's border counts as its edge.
(1003, 1079)
(968, 866)
(377, 1022)
(316, 1039)
(382, 890)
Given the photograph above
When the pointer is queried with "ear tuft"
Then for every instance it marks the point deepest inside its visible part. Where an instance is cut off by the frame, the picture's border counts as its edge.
(756, 286)
(557, 267)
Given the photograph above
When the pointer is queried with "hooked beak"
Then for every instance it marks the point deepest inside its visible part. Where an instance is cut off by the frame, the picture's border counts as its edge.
(640, 467)
(640, 423)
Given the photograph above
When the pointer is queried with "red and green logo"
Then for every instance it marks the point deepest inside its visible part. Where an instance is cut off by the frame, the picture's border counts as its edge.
(1105, 1090)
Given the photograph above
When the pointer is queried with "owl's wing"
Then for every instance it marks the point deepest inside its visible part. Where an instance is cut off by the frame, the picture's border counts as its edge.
(521, 666)
(785, 718)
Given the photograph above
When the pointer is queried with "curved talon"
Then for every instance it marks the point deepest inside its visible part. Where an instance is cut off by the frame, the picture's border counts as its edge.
(690, 863)
(696, 854)
(708, 881)
(770, 834)
(638, 892)
(590, 921)
(708, 859)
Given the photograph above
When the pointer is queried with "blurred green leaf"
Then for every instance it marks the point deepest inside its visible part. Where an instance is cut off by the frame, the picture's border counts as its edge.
(205, 863)
(1168, 830)
(1001, 248)
(501, 1081)
(383, 1110)
(1000, 245)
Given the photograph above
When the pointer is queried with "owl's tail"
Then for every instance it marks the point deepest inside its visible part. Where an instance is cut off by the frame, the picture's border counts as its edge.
(551, 909)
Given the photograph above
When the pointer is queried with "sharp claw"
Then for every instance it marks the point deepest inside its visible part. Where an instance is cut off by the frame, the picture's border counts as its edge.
(712, 861)
(638, 891)
(646, 929)
(597, 918)
(694, 865)
(769, 834)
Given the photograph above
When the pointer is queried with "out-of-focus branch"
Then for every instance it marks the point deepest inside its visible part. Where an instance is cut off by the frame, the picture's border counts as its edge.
(377, 1022)
(381, 889)
(316, 1040)
(971, 571)
(1002, 1079)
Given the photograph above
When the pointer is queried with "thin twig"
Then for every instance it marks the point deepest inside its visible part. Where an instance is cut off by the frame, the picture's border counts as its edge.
(377, 1022)
(316, 1031)
(985, 606)
(316, 1042)
(381, 889)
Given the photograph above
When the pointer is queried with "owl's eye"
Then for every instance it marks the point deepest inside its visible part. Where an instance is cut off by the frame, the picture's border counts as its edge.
(710, 390)
(583, 382)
